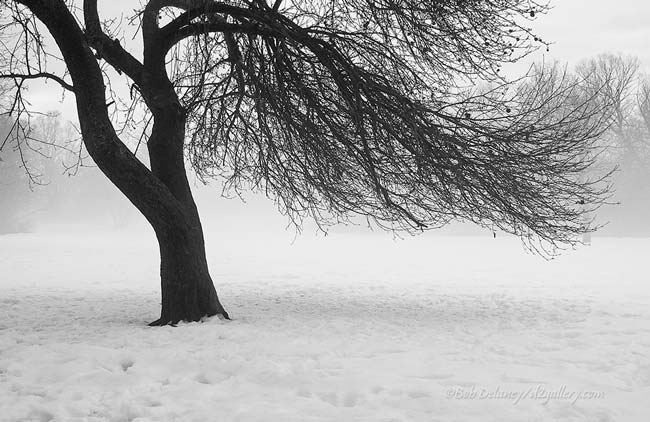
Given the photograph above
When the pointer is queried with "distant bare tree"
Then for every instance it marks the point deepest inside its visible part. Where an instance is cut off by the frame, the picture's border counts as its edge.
(643, 100)
(615, 80)
(19, 177)
(336, 109)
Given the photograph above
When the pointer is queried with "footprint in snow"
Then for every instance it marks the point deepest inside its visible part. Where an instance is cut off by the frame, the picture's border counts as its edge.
(202, 379)
(126, 364)
(349, 399)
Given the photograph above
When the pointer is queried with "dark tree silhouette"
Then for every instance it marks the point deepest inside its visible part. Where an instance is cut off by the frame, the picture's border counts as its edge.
(335, 108)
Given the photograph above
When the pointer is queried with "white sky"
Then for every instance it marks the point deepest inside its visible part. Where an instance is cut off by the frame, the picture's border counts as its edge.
(579, 29)
(585, 28)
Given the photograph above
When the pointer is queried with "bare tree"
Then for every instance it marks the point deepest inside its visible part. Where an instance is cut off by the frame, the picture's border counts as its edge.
(617, 80)
(336, 109)
(22, 165)
(643, 101)
(13, 180)
(614, 79)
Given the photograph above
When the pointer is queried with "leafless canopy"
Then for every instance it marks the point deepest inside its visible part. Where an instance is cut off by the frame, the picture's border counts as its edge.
(617, 81)
(390, 110)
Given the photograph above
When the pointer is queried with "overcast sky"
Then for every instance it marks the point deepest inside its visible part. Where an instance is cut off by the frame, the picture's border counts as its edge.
(579, 29)
(585, 28)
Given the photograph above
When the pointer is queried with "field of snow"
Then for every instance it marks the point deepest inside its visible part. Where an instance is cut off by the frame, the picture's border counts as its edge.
(342, 328)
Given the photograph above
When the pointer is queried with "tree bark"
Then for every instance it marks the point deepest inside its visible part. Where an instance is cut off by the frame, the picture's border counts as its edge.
(188, 293)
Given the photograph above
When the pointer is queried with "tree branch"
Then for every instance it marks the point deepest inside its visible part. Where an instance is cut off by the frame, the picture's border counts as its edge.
(213, 27)
(212, 9)
(41, 75)
(107, 48)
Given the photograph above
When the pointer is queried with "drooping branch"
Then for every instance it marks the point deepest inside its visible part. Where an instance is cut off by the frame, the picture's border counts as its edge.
(325, 131)
(358, 107)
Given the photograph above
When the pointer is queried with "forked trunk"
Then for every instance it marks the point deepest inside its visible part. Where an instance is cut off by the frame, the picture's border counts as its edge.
(161, 194)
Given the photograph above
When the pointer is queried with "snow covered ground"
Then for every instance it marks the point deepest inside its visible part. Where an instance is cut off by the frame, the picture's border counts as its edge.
(343, 328)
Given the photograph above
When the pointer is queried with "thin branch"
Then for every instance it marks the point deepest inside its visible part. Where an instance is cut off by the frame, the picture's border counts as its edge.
(41, 75)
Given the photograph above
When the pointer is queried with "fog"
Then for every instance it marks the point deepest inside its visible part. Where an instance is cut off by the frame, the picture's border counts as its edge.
(46, 189)
(87, 201)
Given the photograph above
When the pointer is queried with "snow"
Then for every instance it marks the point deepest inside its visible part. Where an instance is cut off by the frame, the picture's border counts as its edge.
(347, 327)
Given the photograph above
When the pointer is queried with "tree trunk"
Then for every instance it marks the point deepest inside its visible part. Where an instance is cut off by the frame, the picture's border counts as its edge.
(188, 293)
(161, 194)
